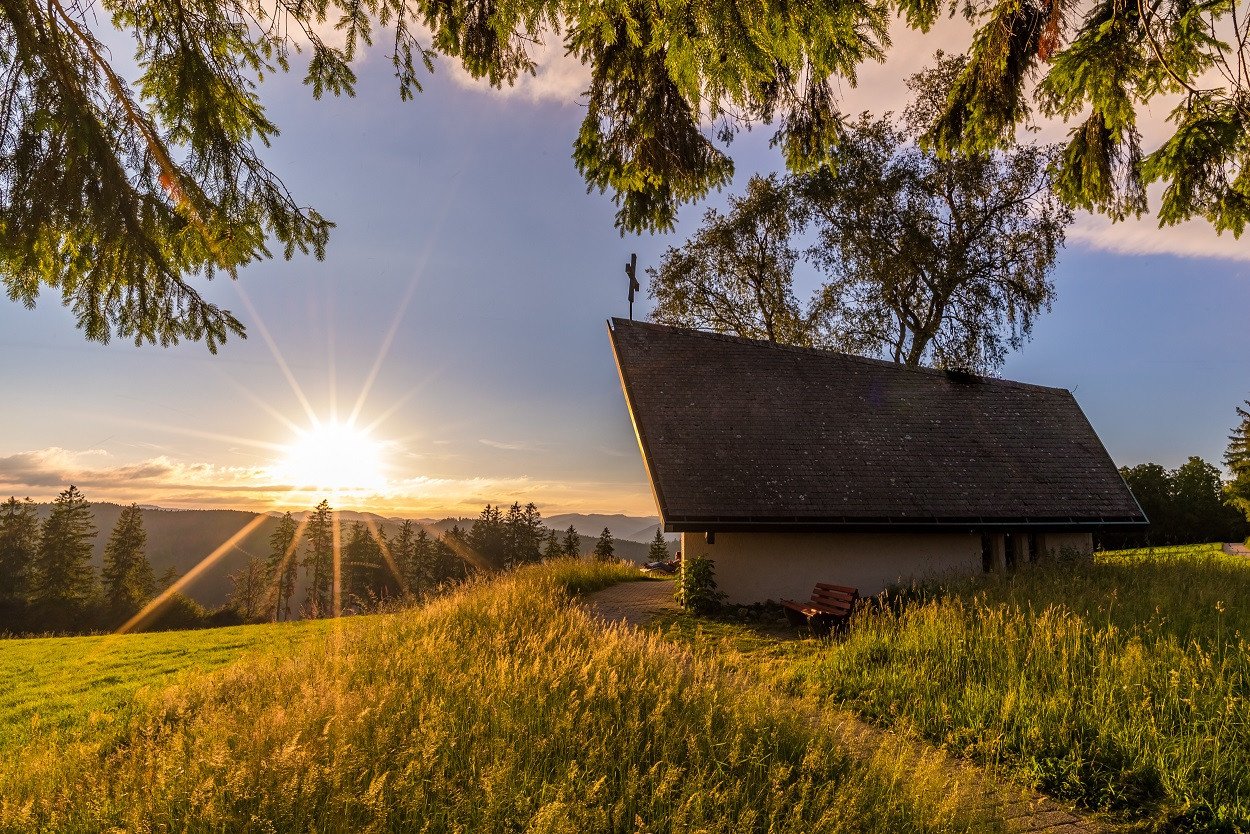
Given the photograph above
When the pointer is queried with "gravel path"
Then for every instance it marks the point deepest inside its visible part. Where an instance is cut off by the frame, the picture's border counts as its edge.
(634, 602)
(1022, 811)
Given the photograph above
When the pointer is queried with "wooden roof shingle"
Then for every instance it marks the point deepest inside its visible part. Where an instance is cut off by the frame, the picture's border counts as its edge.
(739, 434)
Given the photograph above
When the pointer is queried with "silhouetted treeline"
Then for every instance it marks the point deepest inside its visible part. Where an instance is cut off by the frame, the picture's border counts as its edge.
(1187, 505)
(518, 537)
(48, 583)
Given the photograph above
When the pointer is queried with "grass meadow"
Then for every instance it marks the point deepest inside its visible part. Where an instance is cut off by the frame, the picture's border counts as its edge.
(500, 708)
(1122, 686)
(68, 685)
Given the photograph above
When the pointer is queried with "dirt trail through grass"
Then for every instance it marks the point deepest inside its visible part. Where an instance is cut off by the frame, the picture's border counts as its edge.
(1021, 811)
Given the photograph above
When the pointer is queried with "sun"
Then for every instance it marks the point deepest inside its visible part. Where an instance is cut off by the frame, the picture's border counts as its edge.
(333, 456)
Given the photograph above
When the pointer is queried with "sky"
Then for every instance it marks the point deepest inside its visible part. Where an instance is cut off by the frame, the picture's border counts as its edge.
(459, 318)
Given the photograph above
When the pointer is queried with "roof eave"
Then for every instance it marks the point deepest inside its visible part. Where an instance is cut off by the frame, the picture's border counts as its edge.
(891, 525)
(652, 480)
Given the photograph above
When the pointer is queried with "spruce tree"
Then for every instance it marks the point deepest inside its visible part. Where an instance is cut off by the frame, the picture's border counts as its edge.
(363, 566)
(319, 561)
(63, 587)
(167, 579)
(534, 535)
(128, 579)
(282, 566)
(658, 551)
(603, 547)
(553, 548)
(403, 552)
(487, 538)
(19, 548)
(423, 573)
(455, 557)
(572, 543)
(250, 586)
(1237, 458)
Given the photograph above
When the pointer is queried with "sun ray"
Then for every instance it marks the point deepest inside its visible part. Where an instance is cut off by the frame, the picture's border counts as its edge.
(399, 403)
(418, 272)
(386, 553)
(389, 339)
(276, 582)
(331, 364)
(385, 415)
(206, 435)
(259, 402)
(462, 549)
(153, 607)
(277, 354)
(336, 539)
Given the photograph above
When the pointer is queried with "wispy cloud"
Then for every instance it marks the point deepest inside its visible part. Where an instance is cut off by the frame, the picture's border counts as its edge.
(164, 481)
(1193, 239)
(514, 445)
(44, 472)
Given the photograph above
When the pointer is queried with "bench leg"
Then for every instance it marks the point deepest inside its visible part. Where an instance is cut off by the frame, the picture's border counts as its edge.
(796, 618)
(820, 626)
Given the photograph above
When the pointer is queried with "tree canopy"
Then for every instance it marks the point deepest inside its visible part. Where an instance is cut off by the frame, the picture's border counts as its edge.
(117, 193)
(924, 259)
(1186, 505)
(1098, 63)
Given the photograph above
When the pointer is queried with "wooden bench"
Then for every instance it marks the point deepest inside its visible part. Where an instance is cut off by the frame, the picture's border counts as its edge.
(830, 607)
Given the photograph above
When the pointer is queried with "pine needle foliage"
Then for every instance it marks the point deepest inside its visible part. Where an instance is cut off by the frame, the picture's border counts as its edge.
(1098, 63)
(128, 579)
(19, 547)
(1237, 458)
(118, 194)
(63, 586)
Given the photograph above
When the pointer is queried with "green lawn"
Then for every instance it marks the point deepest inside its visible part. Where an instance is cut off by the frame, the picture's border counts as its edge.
(68, 683)
(1212, 549)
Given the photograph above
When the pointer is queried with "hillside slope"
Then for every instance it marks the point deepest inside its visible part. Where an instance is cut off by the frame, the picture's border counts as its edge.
(500, 708)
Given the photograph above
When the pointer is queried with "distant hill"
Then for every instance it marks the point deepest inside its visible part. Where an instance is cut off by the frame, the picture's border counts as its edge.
(639, 528)
(180, 539)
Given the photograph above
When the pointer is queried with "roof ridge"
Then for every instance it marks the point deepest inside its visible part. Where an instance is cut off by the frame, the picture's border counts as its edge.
(826, 352)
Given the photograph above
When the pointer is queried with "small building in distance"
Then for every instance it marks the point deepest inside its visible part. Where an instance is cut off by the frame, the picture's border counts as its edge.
(789, 466)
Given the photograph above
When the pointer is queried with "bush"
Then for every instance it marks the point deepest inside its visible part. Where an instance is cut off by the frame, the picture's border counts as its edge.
(179, 613)
(696, 586)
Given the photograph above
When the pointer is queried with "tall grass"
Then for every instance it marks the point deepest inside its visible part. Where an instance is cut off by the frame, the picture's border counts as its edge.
(502, 708)
(1122, 685)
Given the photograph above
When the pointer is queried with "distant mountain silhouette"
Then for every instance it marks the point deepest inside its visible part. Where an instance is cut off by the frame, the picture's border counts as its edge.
(639, 528)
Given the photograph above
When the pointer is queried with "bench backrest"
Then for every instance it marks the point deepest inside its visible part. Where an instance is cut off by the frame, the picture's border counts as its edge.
(838, 597)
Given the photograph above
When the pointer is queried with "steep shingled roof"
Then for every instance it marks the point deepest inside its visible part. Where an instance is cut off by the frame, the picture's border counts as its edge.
(739, 434)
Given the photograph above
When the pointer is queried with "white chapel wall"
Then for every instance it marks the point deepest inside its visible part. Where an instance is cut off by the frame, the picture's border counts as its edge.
(755, 567)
